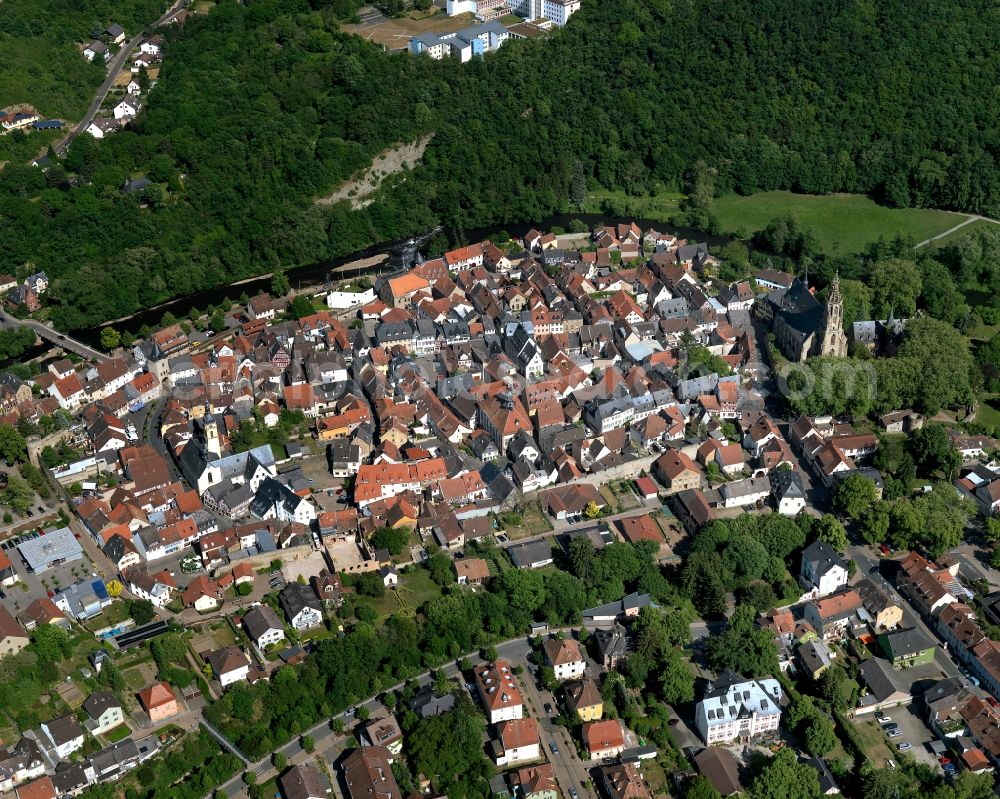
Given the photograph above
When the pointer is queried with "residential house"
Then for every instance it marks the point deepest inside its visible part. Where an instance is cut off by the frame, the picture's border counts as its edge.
(584, 699)
(304, 782)
(536, 782)
(13, 638)
(105, 712)
(720, 767)
(565, 658)
(677, 471)
(905, 648)
(65, 735)
(382, 731)
(823, 570)
(604, 738)
(301, 605)
(517, 741)
(886, 613)
(159, 702)
(498, 691)
(624, 781)
(471, 571)
(367, 773)
(229, 664)
(885, 686)
(264, 626)
(788, 491)
(833, 615)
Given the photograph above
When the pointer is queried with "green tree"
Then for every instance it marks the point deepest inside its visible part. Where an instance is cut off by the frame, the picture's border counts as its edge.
(110, 339)
(829, 530)
(676, 679)
(142, 611)
(280, 761)
(299, 307)
(392, 539)
(875, 523)
(744, 647)
(308, 743)
(13, 447)
(854, 496)
(933, 452)
(819, 736)
(700, 787)
(784, 777)
(279, 284)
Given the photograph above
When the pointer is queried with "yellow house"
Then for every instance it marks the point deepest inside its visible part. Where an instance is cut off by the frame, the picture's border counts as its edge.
(396, 433)
(332, 427)
(584, 699)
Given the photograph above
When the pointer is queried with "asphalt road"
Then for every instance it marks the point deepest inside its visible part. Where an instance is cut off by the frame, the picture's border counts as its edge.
(516, 649)
(113, 69)
(53, 336)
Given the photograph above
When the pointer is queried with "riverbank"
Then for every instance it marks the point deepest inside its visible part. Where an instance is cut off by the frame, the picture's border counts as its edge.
(372, 262)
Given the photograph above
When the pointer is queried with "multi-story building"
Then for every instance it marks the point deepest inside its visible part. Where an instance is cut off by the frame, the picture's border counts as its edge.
(737, 709)
(823, 570)
(499, 692)
(565, 658)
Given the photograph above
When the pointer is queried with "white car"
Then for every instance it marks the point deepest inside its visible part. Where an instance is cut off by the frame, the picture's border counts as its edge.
(896, 734)
(904, 746)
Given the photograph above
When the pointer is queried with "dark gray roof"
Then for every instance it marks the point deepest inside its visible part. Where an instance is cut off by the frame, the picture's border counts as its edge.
(295, 597)
(99, 702)
(822, 556)
(530, 552)
(901, 643)
(881, 678)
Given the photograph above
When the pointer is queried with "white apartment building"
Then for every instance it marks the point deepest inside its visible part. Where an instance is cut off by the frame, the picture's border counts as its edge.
(738, 709)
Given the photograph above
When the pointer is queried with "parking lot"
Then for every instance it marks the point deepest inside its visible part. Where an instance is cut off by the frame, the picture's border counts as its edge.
(32, 586)
(913, 731)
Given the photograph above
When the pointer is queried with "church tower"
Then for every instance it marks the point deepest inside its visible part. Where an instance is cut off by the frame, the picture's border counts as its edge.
(832, 328)
(211, 430)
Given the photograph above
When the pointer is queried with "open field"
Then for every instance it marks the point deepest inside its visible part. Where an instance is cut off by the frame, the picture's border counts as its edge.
(842, 223)
(395, 34)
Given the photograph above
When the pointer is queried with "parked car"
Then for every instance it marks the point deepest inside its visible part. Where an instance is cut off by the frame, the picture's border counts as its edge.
(572, 793)
(944, 760)
(992, 701)
(554, 748)
(895, 733)
(903, 746)
(889, 725)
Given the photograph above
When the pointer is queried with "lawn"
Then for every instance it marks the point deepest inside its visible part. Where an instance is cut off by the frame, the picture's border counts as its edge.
(533, 522)
(875, 745)
(119, 733)
(415, 588)
(842, 223)
(988, 412)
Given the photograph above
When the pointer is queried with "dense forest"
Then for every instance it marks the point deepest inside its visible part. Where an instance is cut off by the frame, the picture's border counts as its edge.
(263, 107)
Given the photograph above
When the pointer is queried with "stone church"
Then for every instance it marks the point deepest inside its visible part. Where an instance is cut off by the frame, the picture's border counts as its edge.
(805, 328)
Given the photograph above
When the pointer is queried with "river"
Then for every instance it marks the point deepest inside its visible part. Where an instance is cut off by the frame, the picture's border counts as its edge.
(400, 254)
